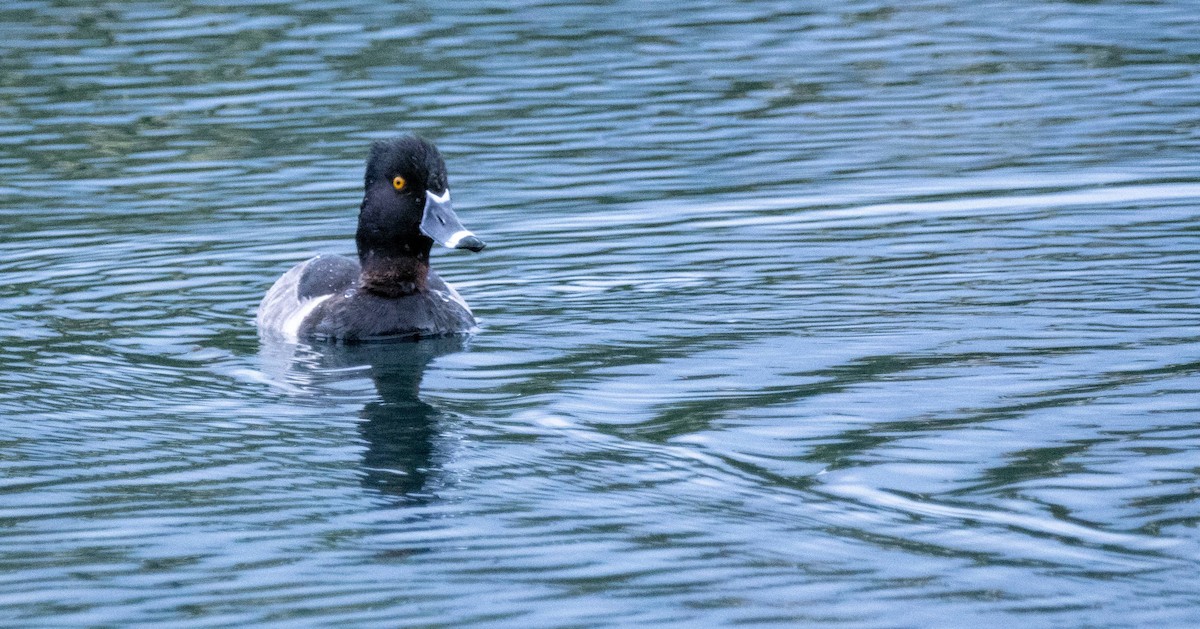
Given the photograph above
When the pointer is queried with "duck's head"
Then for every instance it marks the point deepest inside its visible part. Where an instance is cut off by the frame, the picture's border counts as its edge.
(406, 205)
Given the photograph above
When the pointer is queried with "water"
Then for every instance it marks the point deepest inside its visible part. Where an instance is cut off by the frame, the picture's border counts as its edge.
(861, 315)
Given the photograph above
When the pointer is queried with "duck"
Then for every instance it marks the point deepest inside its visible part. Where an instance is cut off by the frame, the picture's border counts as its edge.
(389, 291)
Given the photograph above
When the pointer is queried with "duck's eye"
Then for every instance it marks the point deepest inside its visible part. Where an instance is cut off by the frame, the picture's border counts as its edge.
(398, 182)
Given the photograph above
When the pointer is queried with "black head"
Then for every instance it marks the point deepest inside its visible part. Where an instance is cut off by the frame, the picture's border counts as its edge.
(406, 204)
(416, 159)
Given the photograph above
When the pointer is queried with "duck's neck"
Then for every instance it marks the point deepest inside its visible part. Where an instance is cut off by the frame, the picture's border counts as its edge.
(389, 274)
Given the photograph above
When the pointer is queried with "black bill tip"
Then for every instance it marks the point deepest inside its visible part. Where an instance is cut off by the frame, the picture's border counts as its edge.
(471, 243)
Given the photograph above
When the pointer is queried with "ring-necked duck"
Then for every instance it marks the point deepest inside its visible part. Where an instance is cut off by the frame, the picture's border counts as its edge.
(390, 291)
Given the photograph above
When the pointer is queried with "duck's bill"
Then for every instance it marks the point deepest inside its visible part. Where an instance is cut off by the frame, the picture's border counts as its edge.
(442, 225)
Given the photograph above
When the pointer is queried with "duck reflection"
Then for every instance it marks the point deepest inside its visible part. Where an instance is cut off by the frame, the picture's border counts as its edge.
(400, 430)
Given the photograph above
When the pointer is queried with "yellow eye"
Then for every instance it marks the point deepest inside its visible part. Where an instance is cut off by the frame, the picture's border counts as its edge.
(398, 183)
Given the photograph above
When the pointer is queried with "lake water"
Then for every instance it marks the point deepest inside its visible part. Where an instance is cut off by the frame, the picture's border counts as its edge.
(793, 314)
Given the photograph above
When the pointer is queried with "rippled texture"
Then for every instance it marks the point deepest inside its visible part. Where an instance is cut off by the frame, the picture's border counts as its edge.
(871, 315)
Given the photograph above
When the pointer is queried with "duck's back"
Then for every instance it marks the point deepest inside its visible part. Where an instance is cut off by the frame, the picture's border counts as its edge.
(358, 315)
(320, 298)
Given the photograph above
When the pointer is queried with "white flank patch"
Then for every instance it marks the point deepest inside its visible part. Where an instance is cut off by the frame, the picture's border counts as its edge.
(291, 327)
(453, 241)
(458, 299)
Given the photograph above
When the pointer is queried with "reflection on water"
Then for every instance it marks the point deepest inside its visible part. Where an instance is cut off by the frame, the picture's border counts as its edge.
(399, 429)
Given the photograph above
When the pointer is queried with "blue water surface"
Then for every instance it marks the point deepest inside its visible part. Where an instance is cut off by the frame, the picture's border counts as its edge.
(862, 314)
